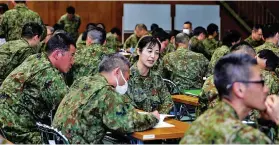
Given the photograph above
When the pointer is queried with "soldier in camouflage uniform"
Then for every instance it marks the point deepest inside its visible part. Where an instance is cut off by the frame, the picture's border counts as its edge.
(185, 67)
(147, 89)
(132, 41)
(222, 124)
(196, 42)
(256, 38)
(95, 105)
(231, 38)
(88, 58)
(210, 43)
(71, 22)
(13, 53)
(13, 21)
(33, 90)
(112, 39)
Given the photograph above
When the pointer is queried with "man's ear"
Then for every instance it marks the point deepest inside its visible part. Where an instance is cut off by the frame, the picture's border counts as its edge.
(239, 89)
(56, 54)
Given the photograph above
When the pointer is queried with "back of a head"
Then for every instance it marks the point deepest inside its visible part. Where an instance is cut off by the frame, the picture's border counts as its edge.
(211, 28)
(59, 41)
(4, 7)
(101, 25)
(20, 1)
(116, 30)
(51, 29)
(112, 61)
(256, 27)
(272, 59)
(58, 27)
(269, 31)
(160, 34)
(243, 47)
(182, 38)
(98, 35)
(199, 30)
(31, 29)
(153, 26)
(231, 68)
(230, 37)
(90, 26)
(141, 27)
(70, 10)
(173, 33)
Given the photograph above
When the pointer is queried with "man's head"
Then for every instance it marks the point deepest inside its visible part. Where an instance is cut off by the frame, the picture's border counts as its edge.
(115, 31)
(154, 26)
(270, 33)
(116, 69)
(96, 36)
(257, 33)
(187, 28)
(3, 8)
(60, 50)
(172, 35)
(237, 78)
(140, 30)
(200, 33)
(32, 33)
(182, 40)
(267, 60)
(243, 47)
(101, 25)
(231, 38)
(162, 36)
(50, 31)
(212, 29)
(70, 12)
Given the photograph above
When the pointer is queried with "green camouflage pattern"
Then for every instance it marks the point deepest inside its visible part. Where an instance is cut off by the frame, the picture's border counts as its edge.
(271, 81)
(270, 46)
(71, 26)
(80, 43)
(92, 107)
(170, 48)
(131, 42)
(28, 95)
(254, 43)
(185, 68)
(197, 46)
(13, 21)
(149, 93)
(221, 125)
(112, 42)
(210, 45)
(218, 53)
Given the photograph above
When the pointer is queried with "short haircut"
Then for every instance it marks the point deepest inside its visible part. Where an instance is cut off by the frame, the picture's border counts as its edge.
(4, 7)
(244, 47)
(90, 26)
(211, 28)
(173, 33)
(199, 30)
(116, 30)
(269, 31)
(141, 27)
(257, 27)
(58, 27)
(59, 41)
(31, 29)
(148, 41)
(231, 68)
(230, 37)
(101, 25)
(154, 26)
(51, 29)
(20, 1)
(182, 38)
(112, 61)
(272, 59)
(160, 34)
(70, 10)
(188, 22)
(98, 35)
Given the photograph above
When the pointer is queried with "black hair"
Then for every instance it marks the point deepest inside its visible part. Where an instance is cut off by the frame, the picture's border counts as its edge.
(70, 10)
(160, 34)
(141, 26)
(272, 59)
(101, 25)
(3, 7)
(211, 28)
(116, 30)
(270, 31)
(59, 41)
(20, 1)
(153, 26)
(173, 33)
(188, 22)
(199, 30)
(31, 29)
(230, 37)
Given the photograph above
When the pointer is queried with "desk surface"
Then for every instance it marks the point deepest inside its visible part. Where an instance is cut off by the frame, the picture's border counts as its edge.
(164, 133)
(186, 99)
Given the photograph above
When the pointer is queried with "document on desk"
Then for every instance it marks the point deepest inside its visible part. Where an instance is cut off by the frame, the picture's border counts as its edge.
(161, 123)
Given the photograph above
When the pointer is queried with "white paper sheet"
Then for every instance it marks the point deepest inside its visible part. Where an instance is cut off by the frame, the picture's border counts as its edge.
(161, 123)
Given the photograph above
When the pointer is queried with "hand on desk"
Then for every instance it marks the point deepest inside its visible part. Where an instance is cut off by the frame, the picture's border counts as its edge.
(156, 114)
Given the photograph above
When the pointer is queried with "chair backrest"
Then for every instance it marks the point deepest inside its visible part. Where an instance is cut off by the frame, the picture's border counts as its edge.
(50, 135)
(173, 89)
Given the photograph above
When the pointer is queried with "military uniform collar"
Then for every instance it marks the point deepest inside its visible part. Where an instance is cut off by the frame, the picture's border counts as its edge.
(135, 71)
(20, 5)
(180, 48)
(24, 40)
(228, 109)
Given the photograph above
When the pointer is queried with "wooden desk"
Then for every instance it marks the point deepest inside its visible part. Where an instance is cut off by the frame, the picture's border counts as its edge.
(4, 141)
(186, 99)
(163, 133)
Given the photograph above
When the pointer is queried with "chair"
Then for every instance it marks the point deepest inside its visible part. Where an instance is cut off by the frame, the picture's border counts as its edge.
(50, 135)
(173, 89)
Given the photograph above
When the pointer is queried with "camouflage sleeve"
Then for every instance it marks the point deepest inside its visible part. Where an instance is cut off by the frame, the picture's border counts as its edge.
(165, 67)
(166, 100)
(123, 117)
(3, 26)
(127, 43)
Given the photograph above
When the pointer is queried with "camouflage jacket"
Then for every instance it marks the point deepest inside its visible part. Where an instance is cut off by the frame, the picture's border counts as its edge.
(131, 42)
(221, 125)
(185, 68)
(112, 42)
(13, 21)
(92, 107)
(87, 60)
(71, 26)
(170, 48)
(218, 53)
(210, 45)
(198, 47)
(12, 54)
(253, 43)
(271, 81)
(28, 95)
(80, 43)
(270, 46)
(149, 93)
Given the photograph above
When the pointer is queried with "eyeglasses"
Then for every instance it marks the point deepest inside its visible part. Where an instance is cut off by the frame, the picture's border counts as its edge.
(247, 82)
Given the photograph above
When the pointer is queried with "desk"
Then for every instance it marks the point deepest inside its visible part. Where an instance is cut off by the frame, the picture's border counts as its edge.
(186, 99)
(162, 133)
(4, 141)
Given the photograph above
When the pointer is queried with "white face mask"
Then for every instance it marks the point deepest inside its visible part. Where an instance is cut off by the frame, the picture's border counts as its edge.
(186, 31)
(121, 89)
